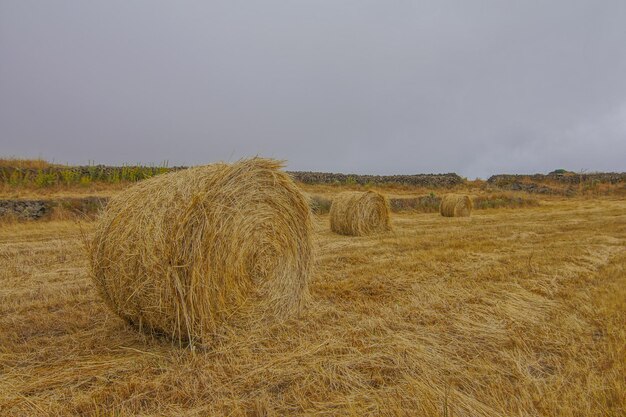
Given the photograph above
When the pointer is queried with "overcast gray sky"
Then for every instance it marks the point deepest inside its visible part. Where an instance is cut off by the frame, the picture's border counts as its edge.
(475, 87)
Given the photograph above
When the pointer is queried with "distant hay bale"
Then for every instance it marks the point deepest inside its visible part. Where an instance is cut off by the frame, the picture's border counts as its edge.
(455, 205)
(184, 252)
(359, 213)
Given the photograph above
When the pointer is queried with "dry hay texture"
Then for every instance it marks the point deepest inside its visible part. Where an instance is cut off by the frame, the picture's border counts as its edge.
(357, 213)
(455, 205)
(183, 253)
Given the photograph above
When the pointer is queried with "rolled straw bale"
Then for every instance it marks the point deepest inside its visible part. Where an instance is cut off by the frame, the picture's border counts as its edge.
(359, 213)
(183, 252)
(455, 205)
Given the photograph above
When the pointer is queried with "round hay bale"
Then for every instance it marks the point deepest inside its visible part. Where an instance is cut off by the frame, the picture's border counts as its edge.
(357, 213)
(183, 252)
(455, 205)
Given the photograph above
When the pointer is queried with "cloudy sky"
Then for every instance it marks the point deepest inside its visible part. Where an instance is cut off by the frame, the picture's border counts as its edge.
(474, 87)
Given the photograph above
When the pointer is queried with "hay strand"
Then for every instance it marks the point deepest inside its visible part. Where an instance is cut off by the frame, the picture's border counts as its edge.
(455, 205)
(183, 252)
(356, 213)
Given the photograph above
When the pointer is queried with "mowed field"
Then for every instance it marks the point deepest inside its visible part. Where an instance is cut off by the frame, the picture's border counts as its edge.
(506, 313)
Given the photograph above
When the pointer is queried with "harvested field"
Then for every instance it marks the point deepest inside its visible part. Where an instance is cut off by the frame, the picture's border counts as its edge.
(516, 313)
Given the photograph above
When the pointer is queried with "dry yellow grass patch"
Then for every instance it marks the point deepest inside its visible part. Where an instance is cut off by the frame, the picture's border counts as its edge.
(517, 313)
(21, 163)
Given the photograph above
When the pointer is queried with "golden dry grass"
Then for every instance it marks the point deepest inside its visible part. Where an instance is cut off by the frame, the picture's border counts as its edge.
(183, 252)
(21, 163)
(93, 190)
(517, 313)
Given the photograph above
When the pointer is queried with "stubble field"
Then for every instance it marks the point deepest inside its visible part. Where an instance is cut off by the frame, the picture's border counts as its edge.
(506, 313)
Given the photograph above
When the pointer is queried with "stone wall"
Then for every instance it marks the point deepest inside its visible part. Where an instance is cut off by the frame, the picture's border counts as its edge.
(569, 178)
(39, 209)
(422, 180)
(24, 209)
(554, 183)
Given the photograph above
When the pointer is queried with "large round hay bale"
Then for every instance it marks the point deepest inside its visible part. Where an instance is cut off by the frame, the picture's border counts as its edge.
(184, 252)
(455, 205)
(359, 213)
